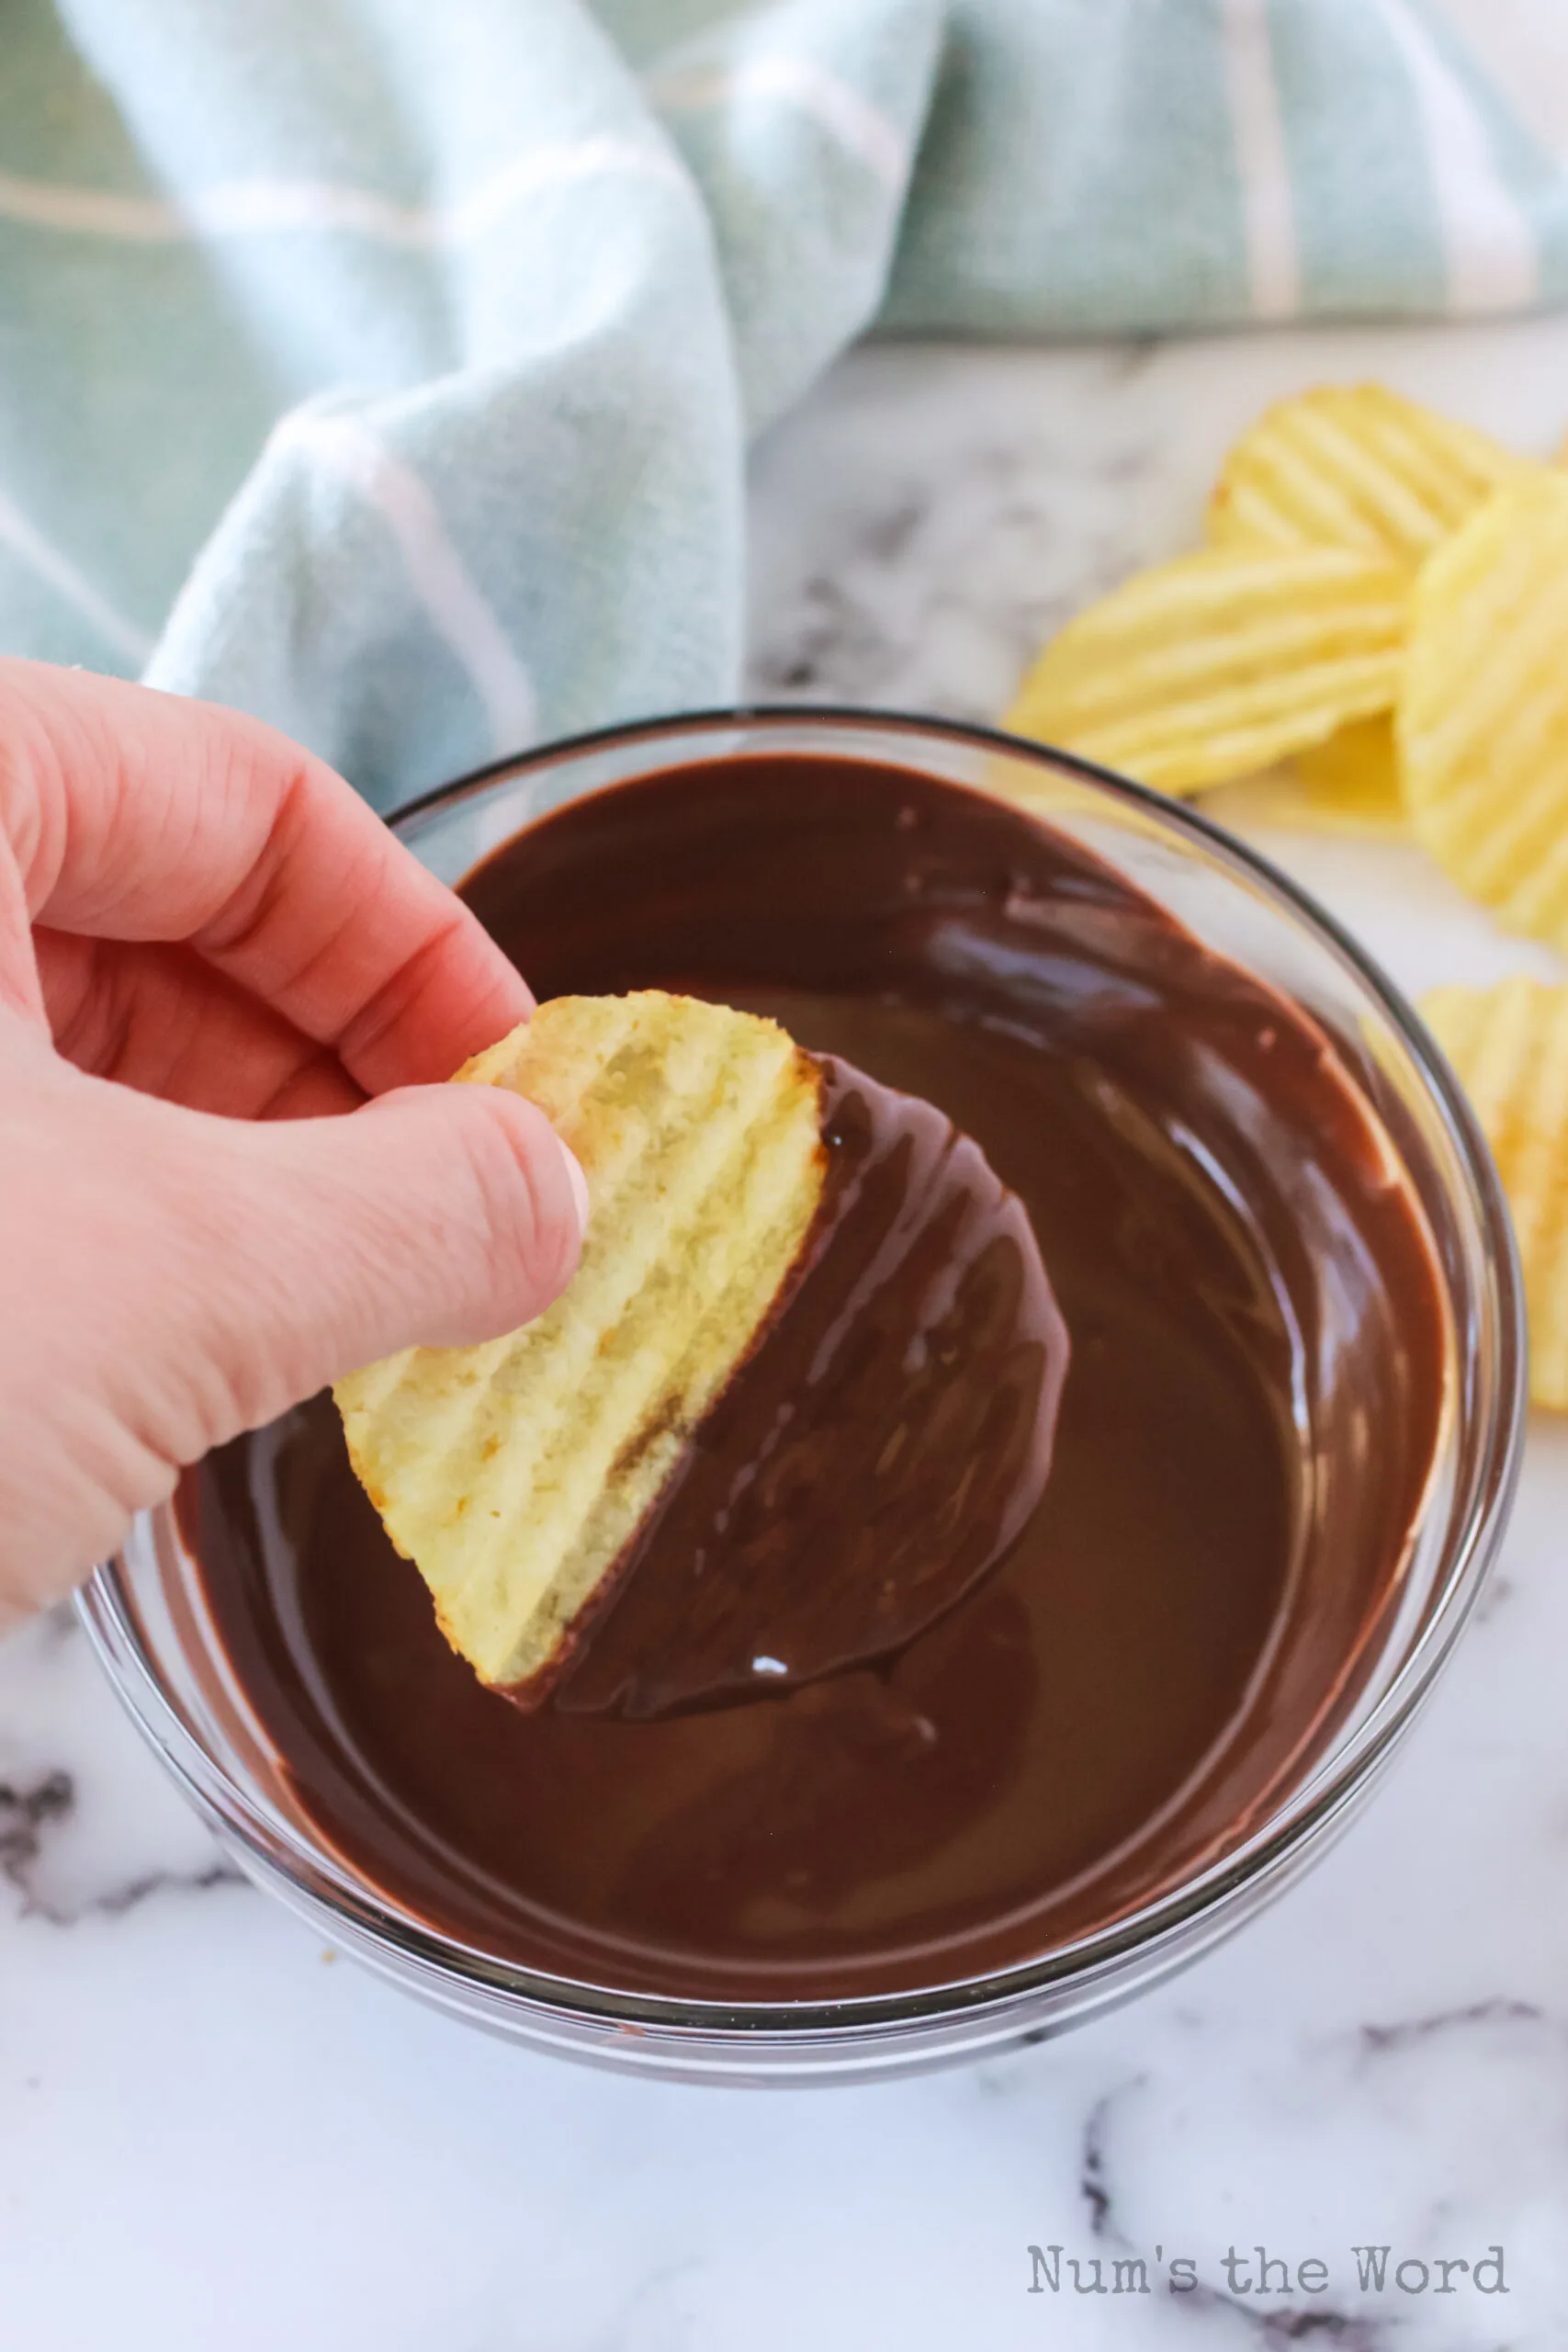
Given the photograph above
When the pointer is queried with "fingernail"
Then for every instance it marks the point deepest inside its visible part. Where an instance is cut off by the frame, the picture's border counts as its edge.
(579, 1186)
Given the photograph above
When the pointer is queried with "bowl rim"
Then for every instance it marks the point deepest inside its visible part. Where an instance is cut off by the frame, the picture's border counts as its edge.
(1313, 1806)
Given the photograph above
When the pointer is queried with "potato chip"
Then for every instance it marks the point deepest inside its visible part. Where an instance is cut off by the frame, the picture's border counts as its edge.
(1349, 785)
(1483, 717)
(1221, 663)
(1356, 466)
(513, 1473)
(1352, 782)
(1510, 1049)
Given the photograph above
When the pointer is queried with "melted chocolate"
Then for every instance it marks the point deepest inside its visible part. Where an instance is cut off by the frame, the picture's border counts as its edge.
(916, 1366)
(1243, 1444)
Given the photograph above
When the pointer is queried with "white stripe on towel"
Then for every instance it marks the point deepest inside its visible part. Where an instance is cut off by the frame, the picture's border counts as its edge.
(453, 602)
(1490, 247)
(1268, 210)
(264, 207)
(834, 105)
(32, 547)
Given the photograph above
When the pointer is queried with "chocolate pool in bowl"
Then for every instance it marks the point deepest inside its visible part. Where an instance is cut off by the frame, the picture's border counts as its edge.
(1283, 1447)
(1253, 1305)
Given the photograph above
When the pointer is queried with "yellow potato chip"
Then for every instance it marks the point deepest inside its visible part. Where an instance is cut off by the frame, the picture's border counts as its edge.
(1352, 782)
(1483, 716)
(1510, 1049)
(1221, 663)
(1349, 785)
(513, 1473)
(1356, 466)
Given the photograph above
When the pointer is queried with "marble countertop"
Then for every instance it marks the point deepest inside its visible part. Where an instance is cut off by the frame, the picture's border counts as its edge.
(212, 2133)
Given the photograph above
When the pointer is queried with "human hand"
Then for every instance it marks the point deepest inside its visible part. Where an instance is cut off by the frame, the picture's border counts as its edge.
(212, 957)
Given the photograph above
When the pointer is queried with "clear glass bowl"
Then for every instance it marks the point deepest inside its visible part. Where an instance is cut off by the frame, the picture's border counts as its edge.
(145, 1616)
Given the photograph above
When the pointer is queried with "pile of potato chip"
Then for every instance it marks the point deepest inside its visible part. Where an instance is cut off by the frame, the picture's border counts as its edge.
(1382, 603)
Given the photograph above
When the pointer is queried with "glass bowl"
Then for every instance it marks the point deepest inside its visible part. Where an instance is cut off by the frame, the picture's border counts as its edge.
(146, 1618)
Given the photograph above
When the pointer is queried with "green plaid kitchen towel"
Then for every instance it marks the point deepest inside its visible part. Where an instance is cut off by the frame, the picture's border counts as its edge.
(387, 367)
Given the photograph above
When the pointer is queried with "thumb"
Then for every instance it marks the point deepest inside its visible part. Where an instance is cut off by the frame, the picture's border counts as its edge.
(438, 1215)
(179, 1277)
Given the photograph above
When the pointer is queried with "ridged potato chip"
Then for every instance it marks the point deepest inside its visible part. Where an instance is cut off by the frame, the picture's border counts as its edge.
(1221, 663)
(513, 1473)
(1356, 466)
(1483, 717)
(1510, 1049)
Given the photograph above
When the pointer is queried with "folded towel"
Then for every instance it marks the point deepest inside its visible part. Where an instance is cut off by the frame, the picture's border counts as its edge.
(388, 368)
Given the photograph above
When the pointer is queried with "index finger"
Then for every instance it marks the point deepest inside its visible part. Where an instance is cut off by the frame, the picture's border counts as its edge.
(135, 815)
